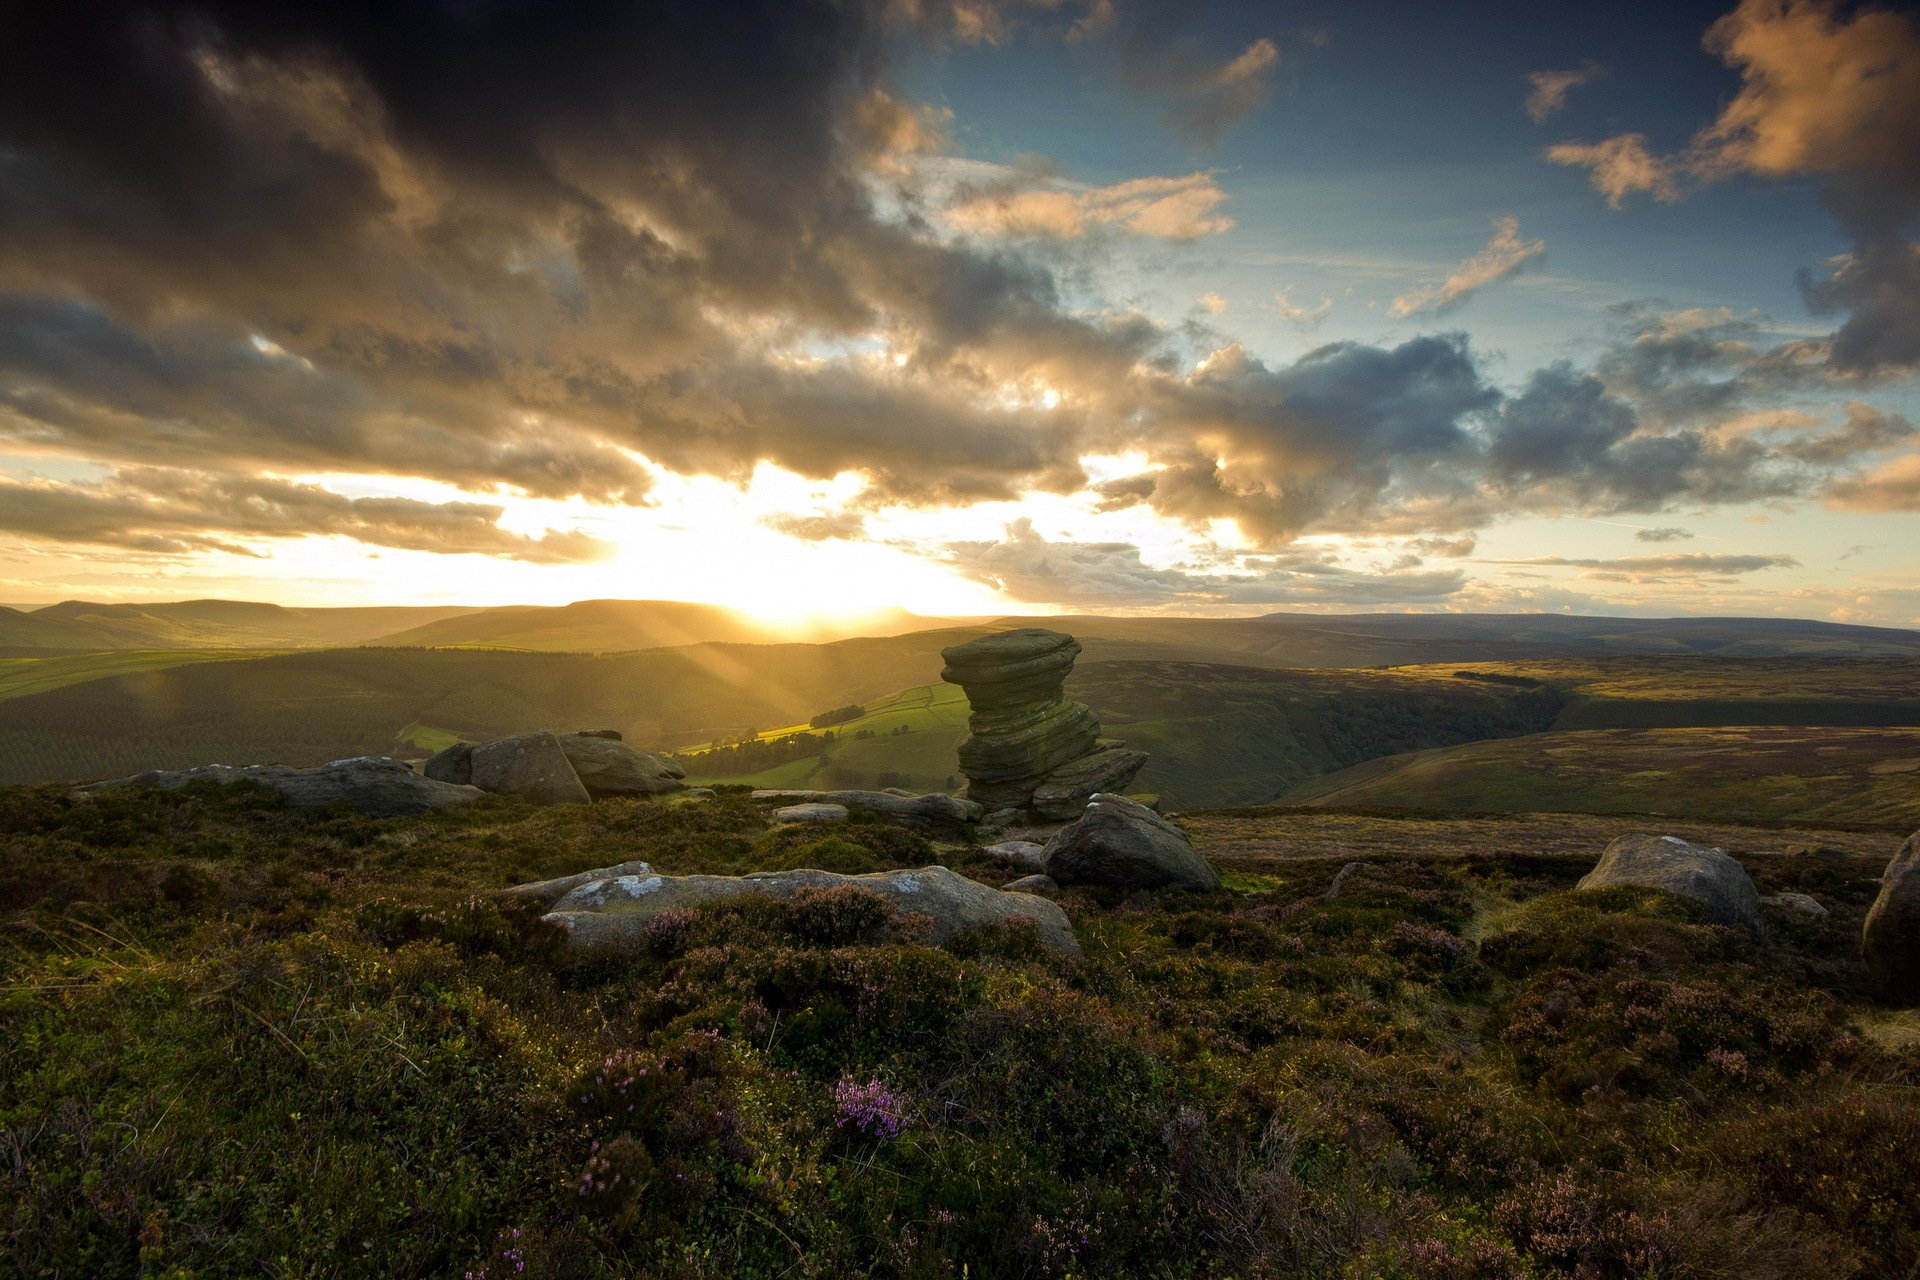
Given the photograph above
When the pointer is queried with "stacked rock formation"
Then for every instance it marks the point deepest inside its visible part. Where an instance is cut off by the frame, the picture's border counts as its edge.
(1031, 747)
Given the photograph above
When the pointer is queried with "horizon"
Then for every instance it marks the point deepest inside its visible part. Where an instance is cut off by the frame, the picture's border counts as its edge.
(965, 309)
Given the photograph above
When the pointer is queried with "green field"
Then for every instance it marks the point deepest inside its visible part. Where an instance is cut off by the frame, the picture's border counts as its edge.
(22, 677)
(1768, 773)
(906, 739)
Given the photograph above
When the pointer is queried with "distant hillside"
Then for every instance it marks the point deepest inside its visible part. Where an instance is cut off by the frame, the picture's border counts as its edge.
(615, 626)
(80, 626)
(1741, 774)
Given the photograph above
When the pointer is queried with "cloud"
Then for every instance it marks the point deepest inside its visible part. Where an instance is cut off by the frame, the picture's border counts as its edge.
(1825, 92)
(1667, 567)
(1505, 254)
(1667, 533)
(1028, 567)
(174, 512)
(818, 526)
(1892, 486)
(1210, 93)
(1621, 166)
(1184, 208)
(1550, 88)
(1866, 430)
(1304, 318)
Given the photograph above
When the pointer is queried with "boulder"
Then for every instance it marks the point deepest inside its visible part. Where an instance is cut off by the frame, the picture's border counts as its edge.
(1119, 843)
(609, 914)
(1042, 885)
(1018, 855)
(613, 734)
(1064, 793)
(901, 807)
(1890, 940)
(1022, 725)
(451, 764)
(607, 766)
(532, 766)
(551, 891)
(374, 785)
(1796, 906)
(811, 813)
(1679, 866)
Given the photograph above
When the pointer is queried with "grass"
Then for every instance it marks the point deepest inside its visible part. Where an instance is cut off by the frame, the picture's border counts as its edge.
(427, 738)
(237, 1040)
(1774, 774)
(23, 677)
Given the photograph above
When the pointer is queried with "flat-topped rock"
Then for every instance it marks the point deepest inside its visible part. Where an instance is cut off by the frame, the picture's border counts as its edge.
(811, 812)
(1128, 846)
(377, 786)
(609, 914)
(607, 766)
(1696, 871)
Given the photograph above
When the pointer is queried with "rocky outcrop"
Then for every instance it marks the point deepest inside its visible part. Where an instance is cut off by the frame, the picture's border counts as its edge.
(1890, 940)
(607, 766)
(1028, 739)
(1798, 907)
(608, 913)
(811, 811)
(532, 766)
(374, 785)
(1018, 855)
(551, 891)
(903, 808)
(1679, 866)
(1125, 845)
(451, 764)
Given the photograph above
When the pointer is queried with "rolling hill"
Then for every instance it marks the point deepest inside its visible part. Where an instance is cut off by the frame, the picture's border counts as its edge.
(81, 626)
(616, 626)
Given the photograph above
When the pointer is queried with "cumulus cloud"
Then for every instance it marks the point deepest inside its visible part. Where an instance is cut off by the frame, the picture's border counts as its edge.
(1825, 92)
(1892, 486)
(172, 511)
(1299, 315)
(1183, 208)
(1550, 88)
(1505, 254)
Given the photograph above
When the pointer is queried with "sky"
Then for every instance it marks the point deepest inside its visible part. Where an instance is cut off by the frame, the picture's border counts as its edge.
(964, 306)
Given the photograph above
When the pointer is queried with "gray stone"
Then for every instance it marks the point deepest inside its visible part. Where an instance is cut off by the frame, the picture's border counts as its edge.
(1065, 792)
(451, 764)
(613, 734)
(532, 766)
(1679, 866)
(702, 792)
(608, 767)
(609, 915)
(373, 785)
(551, 891)
(1017, 855)
(811, 813)
(901, 807)
(1042, 885)
(1799, 906)
(1890, 939)
(1119, 843)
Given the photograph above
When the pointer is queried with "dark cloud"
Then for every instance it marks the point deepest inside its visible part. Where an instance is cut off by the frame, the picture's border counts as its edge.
(170, 511)
(1667, 533)
(1161, 58)
(1866, 430)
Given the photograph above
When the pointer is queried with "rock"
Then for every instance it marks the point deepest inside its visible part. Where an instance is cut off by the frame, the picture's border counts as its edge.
(1343, 875)
(374, 785)
(1042, 885)
(1018, 855)
(607, 766)
(1890, 940)
(811, 813)
(1000, 819)
(1023, 726)
(902, 807)
(1817, 851)
(451, 764)
(609, 915)
(1064, 793)
(532, 766)
(702, 792)
(1117, 842)
(1798, 906)
(1679, 866)
(610, 734)
(551, 891)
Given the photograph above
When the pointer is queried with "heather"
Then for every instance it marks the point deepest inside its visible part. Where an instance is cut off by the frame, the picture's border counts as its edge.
(237, 1040)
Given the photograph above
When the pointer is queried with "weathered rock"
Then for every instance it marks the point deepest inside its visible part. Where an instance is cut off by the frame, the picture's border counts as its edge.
(532, 766)
(811, 813)
(1679, 866)
(1797, 906)
(612, 734)
(1000, 819)
(902, 807)
(451, 764)
(1342, 876)
(702, 792)
(551, 891)
(1117, 842)
(610, 915)
(374, 785)
(607, 766)
(1890, 940)
(1042, 885)
(1064, 793)
(1018, 855)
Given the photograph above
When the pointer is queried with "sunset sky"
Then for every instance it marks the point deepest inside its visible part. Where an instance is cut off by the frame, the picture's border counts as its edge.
(969, 307)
